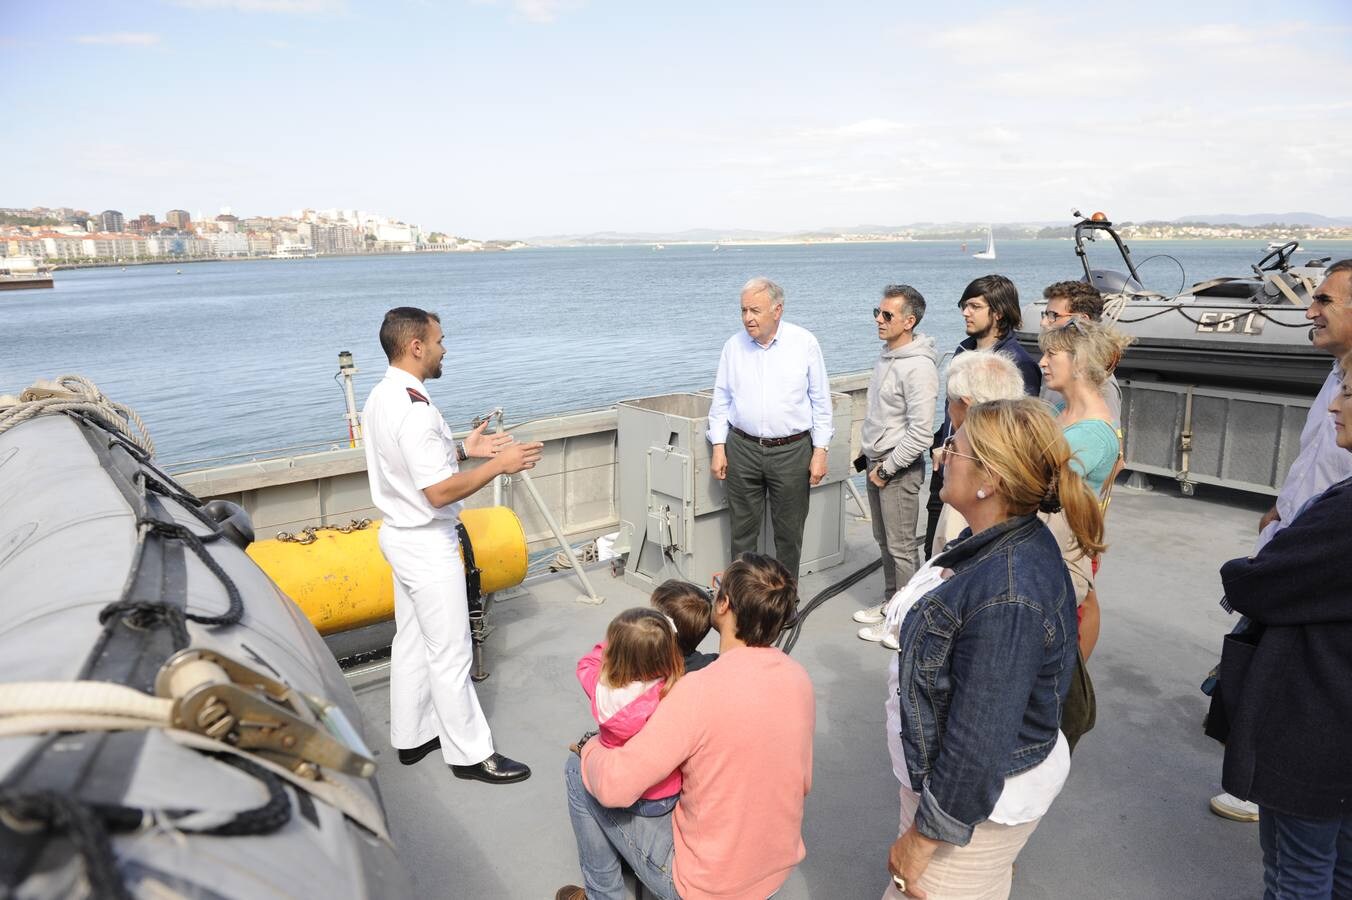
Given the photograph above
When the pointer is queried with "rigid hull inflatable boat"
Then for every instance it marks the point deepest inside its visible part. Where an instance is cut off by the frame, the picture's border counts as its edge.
(1247, 330)
(170, 723)
(1220, 377)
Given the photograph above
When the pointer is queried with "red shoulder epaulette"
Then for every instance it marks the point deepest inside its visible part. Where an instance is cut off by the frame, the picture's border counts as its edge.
(415, 396)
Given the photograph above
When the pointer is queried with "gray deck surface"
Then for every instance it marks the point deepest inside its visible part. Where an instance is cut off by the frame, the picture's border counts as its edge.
(1132, 821)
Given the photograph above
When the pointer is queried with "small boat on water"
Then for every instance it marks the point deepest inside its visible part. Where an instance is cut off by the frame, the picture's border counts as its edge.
(22, 273)
(989, 252)
(170, 723)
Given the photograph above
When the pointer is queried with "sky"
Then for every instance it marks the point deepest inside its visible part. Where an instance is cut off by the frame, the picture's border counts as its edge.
(519, 118)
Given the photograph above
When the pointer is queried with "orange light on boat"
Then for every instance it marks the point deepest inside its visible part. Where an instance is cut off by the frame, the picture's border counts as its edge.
(1099, 217)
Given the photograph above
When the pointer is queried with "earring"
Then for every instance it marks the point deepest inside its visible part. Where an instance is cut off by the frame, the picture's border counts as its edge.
(981, 493)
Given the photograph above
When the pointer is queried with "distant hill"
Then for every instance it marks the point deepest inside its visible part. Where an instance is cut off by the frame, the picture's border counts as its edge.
(1308, 219)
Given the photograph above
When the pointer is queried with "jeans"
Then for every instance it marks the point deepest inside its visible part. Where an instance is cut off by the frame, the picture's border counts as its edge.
(652, 809)
(893, 509)
(1305, 858)
(605, 836)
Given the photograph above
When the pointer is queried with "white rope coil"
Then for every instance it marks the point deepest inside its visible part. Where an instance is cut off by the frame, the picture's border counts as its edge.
(74, 393)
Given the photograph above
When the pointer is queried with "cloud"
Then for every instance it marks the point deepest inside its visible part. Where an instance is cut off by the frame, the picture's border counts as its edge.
(539, 12)
(865, 128)
(120, 38)
(296, 7)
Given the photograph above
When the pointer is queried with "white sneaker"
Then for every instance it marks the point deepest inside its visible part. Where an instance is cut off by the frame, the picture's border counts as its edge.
(877, 634)
(1228, 806)
(871, 616)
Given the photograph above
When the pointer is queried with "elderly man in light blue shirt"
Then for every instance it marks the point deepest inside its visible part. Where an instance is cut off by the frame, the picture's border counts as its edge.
(770, 423)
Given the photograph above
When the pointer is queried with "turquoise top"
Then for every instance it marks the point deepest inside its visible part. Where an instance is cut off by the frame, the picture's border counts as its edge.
(1093, 450)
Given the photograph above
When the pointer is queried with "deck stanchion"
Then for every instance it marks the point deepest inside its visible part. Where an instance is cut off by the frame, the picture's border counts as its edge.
(590, 596)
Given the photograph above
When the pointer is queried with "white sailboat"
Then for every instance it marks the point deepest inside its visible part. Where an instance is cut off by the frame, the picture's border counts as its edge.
(989, 252)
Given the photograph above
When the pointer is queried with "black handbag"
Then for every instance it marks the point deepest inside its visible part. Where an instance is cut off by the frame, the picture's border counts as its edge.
(1080, 713)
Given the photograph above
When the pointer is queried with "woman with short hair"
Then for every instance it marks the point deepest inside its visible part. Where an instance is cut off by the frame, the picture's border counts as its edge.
(987, 648)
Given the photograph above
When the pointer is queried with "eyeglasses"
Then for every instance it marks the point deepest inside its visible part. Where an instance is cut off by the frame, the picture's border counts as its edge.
(950, 446)
(973, 304)
(1049, 315)
(887, 316)
(1078, 324)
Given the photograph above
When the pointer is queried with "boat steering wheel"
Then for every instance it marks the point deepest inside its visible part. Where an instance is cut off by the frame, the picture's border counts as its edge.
(1280, 258)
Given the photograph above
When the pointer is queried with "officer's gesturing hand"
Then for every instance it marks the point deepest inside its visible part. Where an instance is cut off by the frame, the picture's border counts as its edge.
(485, 446)
(515, 456)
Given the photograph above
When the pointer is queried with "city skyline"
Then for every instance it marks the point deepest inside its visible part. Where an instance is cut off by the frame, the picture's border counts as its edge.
(543, 117)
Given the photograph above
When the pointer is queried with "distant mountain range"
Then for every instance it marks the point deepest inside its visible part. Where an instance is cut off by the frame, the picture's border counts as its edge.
(1307, 219)
(920, 229)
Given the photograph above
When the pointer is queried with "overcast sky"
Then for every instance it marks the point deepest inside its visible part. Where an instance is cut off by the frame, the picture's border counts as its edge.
(529, 117)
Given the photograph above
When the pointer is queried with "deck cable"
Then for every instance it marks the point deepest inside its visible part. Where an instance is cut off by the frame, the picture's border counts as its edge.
(789, 637)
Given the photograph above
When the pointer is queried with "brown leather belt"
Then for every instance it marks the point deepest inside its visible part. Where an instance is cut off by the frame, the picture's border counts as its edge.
(769, 442)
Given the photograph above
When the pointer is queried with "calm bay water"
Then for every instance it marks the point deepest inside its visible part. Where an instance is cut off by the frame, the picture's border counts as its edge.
(239, 357)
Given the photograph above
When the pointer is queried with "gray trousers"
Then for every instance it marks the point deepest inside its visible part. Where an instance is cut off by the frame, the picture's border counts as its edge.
(894, 510)
(780, 473)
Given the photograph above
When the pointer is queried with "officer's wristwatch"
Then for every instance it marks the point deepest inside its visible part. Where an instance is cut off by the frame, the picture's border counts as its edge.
(883, 473)
(460, 453)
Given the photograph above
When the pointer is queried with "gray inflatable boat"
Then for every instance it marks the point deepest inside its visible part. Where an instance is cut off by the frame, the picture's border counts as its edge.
(170, 724)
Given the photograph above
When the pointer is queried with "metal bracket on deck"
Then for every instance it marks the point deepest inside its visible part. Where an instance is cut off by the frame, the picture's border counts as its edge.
(1185, 482)
(228, 701)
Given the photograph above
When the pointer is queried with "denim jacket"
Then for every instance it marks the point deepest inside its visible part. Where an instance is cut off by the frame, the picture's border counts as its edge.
(985, 664)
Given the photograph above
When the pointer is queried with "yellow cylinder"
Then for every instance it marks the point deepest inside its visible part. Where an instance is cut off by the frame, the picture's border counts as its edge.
(341, 581)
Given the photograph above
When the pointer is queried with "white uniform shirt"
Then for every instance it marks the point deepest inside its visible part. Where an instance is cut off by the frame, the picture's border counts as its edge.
(774, 391)
(408, 447)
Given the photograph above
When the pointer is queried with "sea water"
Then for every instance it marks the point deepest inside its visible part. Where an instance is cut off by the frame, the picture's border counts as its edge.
(240, 357)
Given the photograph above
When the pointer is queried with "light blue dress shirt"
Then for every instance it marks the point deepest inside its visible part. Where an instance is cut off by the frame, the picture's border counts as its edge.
(774, 391)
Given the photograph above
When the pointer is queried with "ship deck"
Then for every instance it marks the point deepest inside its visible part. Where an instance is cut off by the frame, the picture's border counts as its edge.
(1132, 821)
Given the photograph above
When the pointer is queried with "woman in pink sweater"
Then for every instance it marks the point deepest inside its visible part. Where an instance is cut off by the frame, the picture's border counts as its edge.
(740, 733)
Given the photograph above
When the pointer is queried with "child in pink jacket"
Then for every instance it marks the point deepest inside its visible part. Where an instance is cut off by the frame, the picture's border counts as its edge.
(625, 677)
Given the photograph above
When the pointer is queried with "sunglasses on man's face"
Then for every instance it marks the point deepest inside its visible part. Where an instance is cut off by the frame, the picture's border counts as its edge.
(887, 316)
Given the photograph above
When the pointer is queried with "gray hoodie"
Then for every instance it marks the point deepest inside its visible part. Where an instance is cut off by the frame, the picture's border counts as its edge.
(901, 400)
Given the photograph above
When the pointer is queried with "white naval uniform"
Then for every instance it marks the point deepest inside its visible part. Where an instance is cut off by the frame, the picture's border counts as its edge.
(409, 447)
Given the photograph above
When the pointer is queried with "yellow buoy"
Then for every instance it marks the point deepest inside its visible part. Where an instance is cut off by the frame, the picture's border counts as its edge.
(341, 581)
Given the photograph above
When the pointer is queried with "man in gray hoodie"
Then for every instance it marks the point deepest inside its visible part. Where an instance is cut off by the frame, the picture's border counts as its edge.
(896, 434)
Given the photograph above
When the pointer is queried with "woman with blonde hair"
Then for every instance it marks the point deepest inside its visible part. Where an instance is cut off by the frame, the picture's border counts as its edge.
(1077, 359)
(987, 648)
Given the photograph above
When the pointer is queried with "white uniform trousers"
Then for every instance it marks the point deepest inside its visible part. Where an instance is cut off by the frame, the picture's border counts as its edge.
(431, 694)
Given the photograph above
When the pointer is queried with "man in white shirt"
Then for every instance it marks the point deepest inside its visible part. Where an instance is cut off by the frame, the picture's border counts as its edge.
(770, 423)
(1321, 463)
(412, 461)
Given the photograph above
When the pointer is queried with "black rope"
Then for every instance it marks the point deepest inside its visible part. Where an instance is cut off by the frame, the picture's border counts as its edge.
(184, 499)
(789, 639)
(1232, 318)
(146, 614)
(81, 825)
(88, 825)
(174, 531)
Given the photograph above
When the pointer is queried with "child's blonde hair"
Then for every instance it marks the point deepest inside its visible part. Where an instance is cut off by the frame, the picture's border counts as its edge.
(641, 646)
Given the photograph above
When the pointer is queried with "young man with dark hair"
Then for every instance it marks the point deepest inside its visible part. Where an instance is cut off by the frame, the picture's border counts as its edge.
(741, 734)
(413, 465)
(991, 315)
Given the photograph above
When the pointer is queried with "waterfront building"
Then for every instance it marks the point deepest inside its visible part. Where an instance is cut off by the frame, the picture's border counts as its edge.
(111, 221)
(142, 224)
(114, 246)
(178, 218)
(228, 243)
(227, 223)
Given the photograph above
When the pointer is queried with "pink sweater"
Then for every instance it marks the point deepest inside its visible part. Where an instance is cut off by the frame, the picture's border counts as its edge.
(740, 730)
(619, 728)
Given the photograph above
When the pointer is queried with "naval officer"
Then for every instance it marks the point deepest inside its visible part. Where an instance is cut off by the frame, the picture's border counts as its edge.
(412, 462)
(770, 423)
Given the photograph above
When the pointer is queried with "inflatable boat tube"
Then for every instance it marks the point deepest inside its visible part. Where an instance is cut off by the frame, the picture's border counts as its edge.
(170, 724)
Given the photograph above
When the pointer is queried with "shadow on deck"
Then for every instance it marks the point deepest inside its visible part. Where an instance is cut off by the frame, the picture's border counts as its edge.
(1132, 821)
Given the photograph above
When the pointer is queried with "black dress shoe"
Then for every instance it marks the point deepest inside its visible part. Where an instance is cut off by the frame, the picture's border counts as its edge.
(409, 757)
(497, 769)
